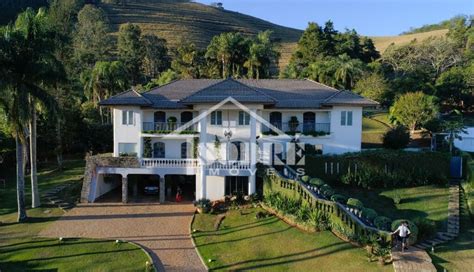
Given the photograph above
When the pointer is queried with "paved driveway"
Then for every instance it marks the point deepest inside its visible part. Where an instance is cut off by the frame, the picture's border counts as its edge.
(162, 229)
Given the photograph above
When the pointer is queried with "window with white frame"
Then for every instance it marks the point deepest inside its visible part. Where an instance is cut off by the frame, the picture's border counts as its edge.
(129, 149)
(216, 118)
(127, 117)
(244, 118)
(346, 118)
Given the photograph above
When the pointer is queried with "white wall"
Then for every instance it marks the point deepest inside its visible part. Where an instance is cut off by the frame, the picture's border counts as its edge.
(127, 133)
(103, 187)
(466, 143)
(215, 186)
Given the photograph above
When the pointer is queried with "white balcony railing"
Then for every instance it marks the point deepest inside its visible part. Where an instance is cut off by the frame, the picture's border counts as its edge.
(171, 163)
(229, 165)
(193, 163)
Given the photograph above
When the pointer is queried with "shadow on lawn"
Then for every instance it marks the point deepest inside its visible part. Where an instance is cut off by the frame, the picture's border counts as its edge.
(280, 260)
(228, 230)
(48, 243)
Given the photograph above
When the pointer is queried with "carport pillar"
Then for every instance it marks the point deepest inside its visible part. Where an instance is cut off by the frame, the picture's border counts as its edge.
(124, 189)
(253, 152)
(162, 189)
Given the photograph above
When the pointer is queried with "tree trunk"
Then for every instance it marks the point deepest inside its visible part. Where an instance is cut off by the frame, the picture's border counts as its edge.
(35, 198)
(59, 142)
(20, 180)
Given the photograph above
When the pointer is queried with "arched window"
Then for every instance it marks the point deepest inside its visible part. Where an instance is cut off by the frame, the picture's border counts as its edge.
(275, 119)
(309, 119)
(185, 150)
(186, 116)
(159, 150)
(237, 151)
(160, 117)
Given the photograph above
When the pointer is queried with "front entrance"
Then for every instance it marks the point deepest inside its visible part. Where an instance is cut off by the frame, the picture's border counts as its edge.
(236, 185)
(184, 183)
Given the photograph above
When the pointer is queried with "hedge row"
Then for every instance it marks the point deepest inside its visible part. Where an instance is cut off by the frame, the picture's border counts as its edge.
(384, 168)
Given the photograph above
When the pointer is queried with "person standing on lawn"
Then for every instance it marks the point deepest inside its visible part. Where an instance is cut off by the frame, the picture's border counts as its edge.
(403, 234)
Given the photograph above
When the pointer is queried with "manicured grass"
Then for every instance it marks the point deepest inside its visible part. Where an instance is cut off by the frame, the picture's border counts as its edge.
(246, 243)
(428, 201)
(373, 129)
(457, 255)
(21, 249)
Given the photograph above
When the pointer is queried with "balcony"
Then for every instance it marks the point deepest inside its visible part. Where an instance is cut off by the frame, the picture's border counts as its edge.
(309, 129)
(168, 127)
(229, 165)
(169, 163)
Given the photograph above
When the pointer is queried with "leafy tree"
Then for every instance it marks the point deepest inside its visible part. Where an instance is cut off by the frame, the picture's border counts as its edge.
(396, 138)
(131, 50)
(165, 78)
(373, 86)
(262, 54)
(339, 72)
(453, 88)
(104, 80)
(27, 65)
(156, 59)
(228, 51)
(413, 109)
(188, 62)
(91, 41)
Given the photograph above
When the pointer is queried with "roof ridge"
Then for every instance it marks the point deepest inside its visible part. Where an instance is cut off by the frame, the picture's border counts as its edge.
(158, 87)
(252, 88)
(198, 91)
(319, 83)
(332, 96)
(140, 95)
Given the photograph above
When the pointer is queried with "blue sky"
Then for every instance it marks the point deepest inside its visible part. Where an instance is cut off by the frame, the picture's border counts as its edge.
(368, 17)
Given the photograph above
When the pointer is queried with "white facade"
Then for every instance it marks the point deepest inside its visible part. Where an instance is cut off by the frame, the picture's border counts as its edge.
(466, 141)
(132, 125)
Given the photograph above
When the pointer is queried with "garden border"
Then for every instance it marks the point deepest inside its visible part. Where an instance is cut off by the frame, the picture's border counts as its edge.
(194, 243)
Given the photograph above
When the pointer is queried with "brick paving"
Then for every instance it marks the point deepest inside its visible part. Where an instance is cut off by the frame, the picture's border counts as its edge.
(417, 259)
(162, 229)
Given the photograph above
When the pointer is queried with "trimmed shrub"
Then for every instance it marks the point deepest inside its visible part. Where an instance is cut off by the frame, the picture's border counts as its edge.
(327, 191)
(305, 179)
(396, 138)
(426, 228)
(411, 226)
(382, 223)
(316, 182)
(355, 203)
(339, 198)
(369, 214)
(382, 168)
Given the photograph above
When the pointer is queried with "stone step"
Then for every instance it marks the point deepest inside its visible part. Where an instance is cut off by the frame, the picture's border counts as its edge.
(425, 245)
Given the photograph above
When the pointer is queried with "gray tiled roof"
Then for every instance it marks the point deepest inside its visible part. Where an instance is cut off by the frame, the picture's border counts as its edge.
(230, 87)
(131, 98)
(274, 93)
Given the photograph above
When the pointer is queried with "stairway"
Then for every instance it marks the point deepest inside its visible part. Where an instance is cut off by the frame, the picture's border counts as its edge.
(453, 220)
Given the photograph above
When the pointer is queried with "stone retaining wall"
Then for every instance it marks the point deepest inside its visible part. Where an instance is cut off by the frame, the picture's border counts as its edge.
(103, 160)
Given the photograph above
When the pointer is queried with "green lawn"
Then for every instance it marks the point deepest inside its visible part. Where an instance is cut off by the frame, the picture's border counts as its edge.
(246, 243)
(373, 129)
(22, 250)
(428, 201)
(457, 255)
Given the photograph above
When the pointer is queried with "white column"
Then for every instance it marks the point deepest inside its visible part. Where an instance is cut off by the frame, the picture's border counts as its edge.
(253, 151)
(202, 155)
(139, 124)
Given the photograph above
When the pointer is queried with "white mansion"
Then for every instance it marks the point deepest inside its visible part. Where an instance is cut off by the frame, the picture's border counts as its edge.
(208, 135)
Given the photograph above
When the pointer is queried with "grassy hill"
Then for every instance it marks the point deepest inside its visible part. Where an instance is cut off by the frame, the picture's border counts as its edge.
(382, 42)
(178, 21)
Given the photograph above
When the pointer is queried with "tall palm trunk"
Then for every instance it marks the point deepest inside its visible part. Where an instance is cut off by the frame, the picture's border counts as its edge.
(35, 198)
(59, 142)
(20, 180)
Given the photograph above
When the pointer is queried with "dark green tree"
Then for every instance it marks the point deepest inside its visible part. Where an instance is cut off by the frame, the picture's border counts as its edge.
(131, 51)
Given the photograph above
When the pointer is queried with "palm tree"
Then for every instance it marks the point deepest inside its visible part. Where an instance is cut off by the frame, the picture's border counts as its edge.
(348, 71)
(103, 81)
(27, 65)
